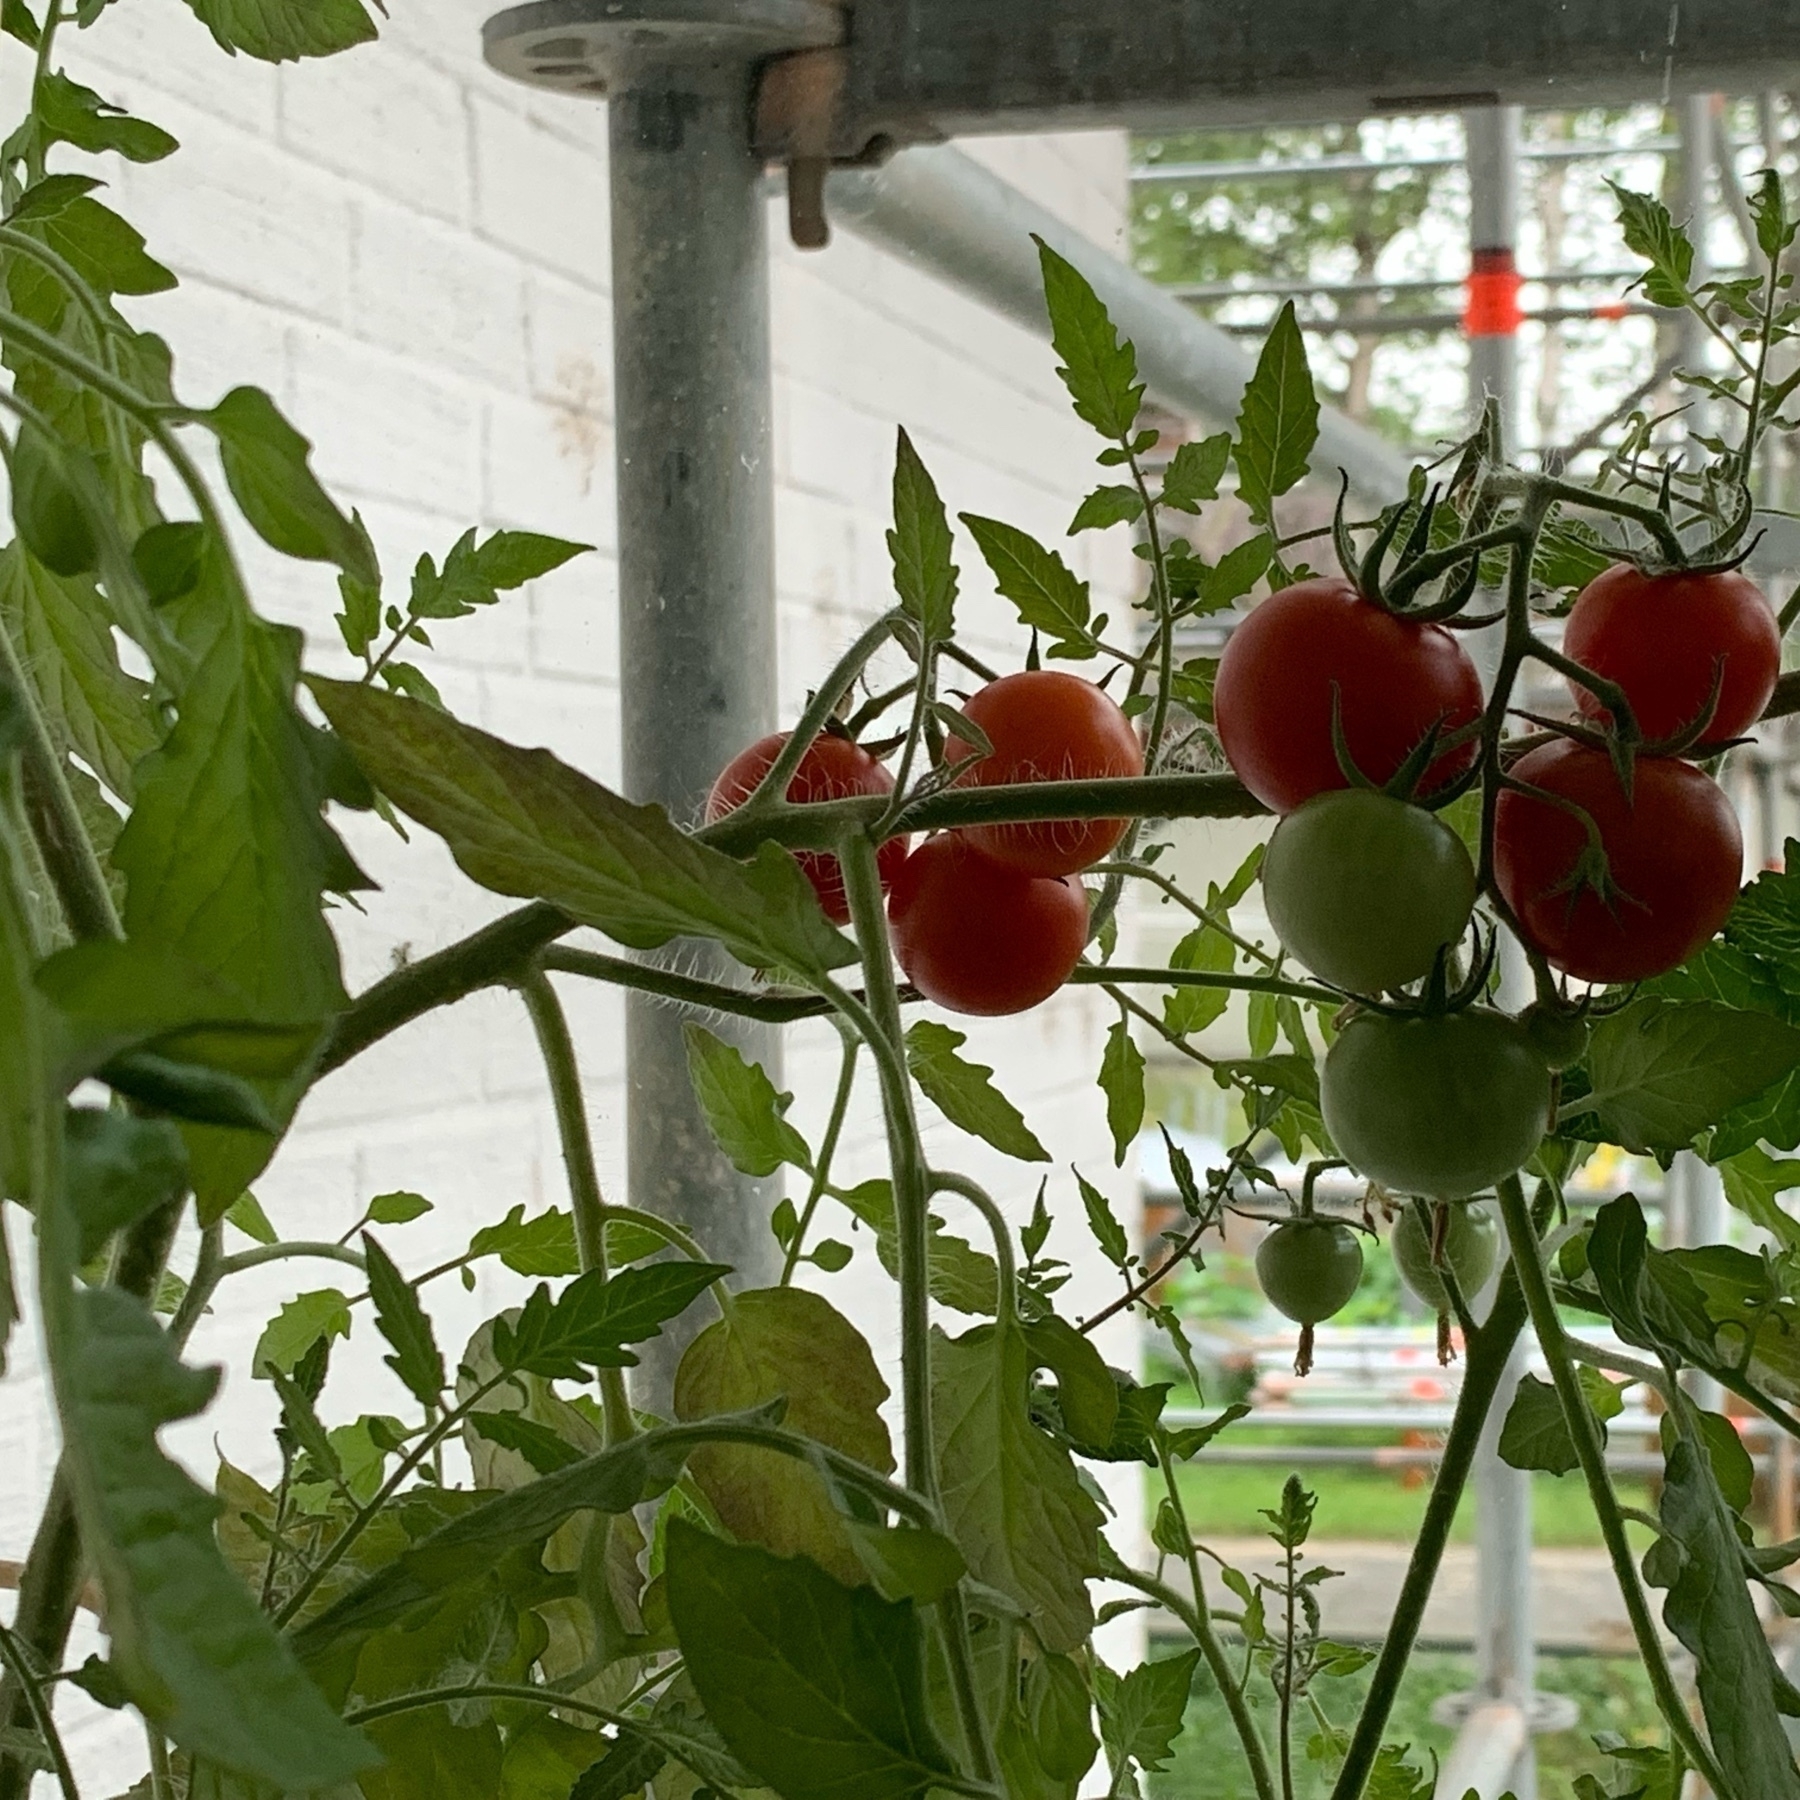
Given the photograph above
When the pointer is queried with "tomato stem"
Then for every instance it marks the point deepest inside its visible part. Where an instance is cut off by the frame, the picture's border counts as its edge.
(1578, 1416)
(587, 1203)
(1487, 1359)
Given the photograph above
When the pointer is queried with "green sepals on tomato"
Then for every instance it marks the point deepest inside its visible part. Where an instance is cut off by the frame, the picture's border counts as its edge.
(1047, 725)
(1667, 640)
(1366, 890)
(1653, 884)
(978, 937)
(1558, 1034)
(1469, 1249)
(1437, 1104)
(1319, 645)
(833, 768)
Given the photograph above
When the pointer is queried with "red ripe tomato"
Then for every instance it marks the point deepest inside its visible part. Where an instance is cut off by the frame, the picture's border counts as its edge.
(978, 937)
(833, 769)
(1662, 637)
(1046, 725)
(1395, 679)
(1673, 851)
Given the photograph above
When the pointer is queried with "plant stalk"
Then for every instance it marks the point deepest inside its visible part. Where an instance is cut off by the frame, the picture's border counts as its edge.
(1487, 1358)
(1553, 1341)
(585, 1198)
(868, 915)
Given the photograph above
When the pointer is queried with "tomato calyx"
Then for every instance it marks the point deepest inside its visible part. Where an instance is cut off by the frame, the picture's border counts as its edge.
(1416, 565)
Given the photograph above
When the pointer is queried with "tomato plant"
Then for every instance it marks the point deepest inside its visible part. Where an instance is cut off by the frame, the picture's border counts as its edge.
(1666, 639)
(832, 768)
(1319, 645)
(1439, 1105)
(1047, 725)
(1612, 887)
(978, 937)
(1366, 890)
(518, 1562)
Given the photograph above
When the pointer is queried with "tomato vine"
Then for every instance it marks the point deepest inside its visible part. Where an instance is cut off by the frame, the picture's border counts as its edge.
(578, 1604)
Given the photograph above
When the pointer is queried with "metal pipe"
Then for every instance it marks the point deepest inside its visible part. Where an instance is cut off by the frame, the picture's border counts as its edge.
(1248, 170)
(946, 214)
(697, 639)
(1494, 1740)
(1233, 290)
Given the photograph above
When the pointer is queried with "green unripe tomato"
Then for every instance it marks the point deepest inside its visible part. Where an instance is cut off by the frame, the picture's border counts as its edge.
(1441, 1105)
(1471, 1246)
(1366, 890)
(1559, 1037)
(1309, 1268)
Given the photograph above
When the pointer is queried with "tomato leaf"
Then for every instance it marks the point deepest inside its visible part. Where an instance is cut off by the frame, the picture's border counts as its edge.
(1107, 506)
(741, 1106)
(1049, 596)
(268, 468)
(1122, 1081)
(1098, 369)
(1141, 1712)
(1011, 1497)
(816, 1687)
(1651, 233)
(466, 1548)
(1086, 1393)
(520, 822)
(920, 545)
(1194, 473)
(285, 30)
(58, 626)
(117, 1168)
(542, 1245)
(1742, 1691)
(1236, 573)
(591, 1322)
(792, 1344)
(1536, 1435)
(960, 1276)
(1662, 1071)
(1278, 419)
(1107, 1232)
(69, 113)
(403, 1322)
(301, 1322)
(1752, 1179)
(1189, 1009)
(192, 1647)
(965, 1094)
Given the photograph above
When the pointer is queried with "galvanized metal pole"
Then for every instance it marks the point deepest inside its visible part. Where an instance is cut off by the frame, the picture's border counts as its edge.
(1697, 138)
(691, 373)
(1505, 1645)
(697, 643)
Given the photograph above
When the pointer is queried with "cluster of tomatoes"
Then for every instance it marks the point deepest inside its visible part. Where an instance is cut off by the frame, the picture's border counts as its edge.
(989, 919)
(1309, 1266)
(1615, 856)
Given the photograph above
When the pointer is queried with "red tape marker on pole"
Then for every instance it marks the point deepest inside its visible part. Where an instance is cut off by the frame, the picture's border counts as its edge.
(1491, 305)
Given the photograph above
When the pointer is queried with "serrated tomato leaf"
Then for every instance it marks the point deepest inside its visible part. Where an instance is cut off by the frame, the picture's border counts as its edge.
(523, 823)
(816, 1687)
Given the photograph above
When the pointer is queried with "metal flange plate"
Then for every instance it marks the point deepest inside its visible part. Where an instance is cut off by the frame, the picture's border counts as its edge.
(579, 46)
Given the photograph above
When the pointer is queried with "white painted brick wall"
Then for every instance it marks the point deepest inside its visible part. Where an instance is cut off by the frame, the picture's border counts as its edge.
(413, 256)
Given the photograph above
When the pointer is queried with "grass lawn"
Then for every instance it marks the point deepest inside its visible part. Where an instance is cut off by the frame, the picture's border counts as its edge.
(1224, 1500)
(1612, 1692)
